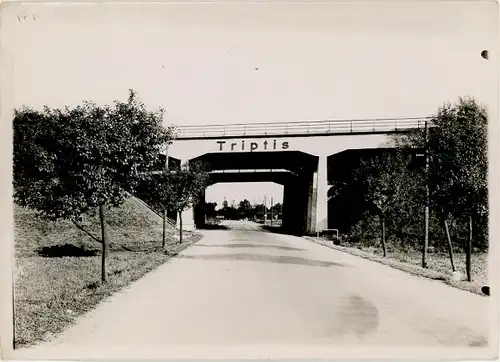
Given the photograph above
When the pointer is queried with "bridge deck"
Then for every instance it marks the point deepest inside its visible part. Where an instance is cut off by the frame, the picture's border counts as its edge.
(301, 128)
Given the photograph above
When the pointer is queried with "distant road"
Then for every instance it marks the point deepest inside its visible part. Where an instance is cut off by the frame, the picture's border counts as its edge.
(247, 286)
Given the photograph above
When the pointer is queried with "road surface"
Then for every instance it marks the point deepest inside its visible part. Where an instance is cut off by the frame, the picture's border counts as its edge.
(244, 286)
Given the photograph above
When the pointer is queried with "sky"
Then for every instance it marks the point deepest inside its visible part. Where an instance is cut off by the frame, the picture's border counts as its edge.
(222, 63)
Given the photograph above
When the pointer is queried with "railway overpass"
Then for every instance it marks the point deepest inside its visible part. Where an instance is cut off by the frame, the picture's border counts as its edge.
(297, 155)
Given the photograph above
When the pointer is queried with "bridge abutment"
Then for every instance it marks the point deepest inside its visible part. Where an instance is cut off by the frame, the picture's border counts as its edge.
(199, 212)
(317, 206)
(296, 204)
(320, 214)
(188, 217)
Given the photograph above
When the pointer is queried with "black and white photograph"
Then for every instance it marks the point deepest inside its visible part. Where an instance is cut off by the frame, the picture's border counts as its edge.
(260, 179)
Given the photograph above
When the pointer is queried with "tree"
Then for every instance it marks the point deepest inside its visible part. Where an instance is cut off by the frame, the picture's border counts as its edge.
(458, 148)
(457, 144)
(245, 208)
(154, 189)
(376, 179)
(381, 179)
(260, 211)
(185, 187)
(73, 161)
(277, 210)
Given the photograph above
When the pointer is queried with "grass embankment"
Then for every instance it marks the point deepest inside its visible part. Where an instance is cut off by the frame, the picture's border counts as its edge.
(57, 266)
(438, 264)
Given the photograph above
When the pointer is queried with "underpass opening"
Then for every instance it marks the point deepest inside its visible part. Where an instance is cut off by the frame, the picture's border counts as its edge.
(294, 170)
(257, 202)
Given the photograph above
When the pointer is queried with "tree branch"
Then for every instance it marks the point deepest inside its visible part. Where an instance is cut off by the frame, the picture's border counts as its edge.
(85, 231)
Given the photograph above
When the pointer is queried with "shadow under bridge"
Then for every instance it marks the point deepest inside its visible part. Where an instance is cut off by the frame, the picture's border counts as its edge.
(294, 170)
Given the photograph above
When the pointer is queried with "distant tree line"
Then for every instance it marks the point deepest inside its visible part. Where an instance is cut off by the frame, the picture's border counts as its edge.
(382, 197)
(244, 210)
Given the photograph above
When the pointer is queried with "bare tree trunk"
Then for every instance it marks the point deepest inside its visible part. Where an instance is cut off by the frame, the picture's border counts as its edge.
(427, 197)
(164, 228)
(426, 238)
(180, 227)
(105, 241)
(382, 219)
(450, 246)
(468, 251)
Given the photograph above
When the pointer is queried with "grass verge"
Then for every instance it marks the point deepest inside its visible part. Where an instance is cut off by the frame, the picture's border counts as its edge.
(439, 266)
(57, 266)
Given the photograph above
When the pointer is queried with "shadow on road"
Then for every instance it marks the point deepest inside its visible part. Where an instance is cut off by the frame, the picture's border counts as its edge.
(273, 229)
(243, 246)
(213, 227)
(266, 259)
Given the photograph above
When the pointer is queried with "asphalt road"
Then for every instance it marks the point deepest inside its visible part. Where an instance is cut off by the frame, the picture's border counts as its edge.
(245, 286)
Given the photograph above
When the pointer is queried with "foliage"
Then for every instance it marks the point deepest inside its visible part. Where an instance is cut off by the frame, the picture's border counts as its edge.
(229, 212)
(186, 186)
(393, 183)
(245, 209)
(379, 176)
(69, 161)
(457, 146)
(375, 179)
(277, 209)
(175, 189)
(458, 158)
(210, 209)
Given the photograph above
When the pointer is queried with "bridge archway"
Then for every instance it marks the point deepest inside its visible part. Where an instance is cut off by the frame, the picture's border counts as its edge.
(295, 170)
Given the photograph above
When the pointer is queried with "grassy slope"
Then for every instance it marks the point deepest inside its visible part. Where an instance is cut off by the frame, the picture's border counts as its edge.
(57, 266)
(439, 266)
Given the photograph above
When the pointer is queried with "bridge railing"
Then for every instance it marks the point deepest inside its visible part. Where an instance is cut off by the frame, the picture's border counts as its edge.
(252, 170)
(302, 128)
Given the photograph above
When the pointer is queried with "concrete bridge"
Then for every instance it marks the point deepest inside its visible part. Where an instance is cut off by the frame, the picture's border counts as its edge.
(296, 155)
